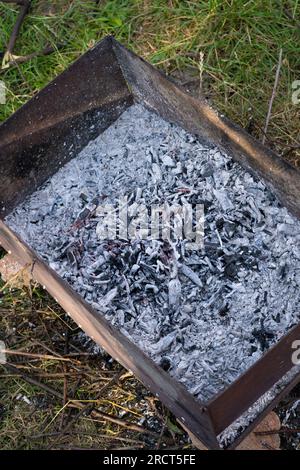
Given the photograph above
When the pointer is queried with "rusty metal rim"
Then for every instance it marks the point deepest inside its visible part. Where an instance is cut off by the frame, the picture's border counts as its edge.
(133, 77)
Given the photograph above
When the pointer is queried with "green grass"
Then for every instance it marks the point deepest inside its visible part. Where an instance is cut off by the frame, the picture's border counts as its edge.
(240, 43)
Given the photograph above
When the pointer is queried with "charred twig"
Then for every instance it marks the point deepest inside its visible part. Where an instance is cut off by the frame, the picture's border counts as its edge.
(283, 430)
(130, 426)
(96, 414)
(57, 355)
(44, 346)
(67, 412)
(37, 356)
(31, 380)
(65, 397)
(163, 429)
(88, 408)
(44, 52)
(26, 58)
(88, 212)
(90, 434)
(273, 95)
(44, 375)
(9, 60)
(290, 16)
(25, 5)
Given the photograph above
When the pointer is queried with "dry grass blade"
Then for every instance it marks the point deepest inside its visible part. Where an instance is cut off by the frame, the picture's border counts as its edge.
(37, 356)
(272, 96)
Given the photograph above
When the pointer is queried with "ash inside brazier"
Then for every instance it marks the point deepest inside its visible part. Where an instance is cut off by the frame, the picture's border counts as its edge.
(203, 315)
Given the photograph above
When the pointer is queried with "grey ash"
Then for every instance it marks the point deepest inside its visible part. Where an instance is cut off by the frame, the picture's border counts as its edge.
(205, 316)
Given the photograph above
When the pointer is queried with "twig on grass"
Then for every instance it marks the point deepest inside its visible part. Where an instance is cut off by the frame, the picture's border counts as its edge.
(9, 59)
(15, 61)
(87, 409)
(90, 434)
(25, 5)
(95, 414)
(31, 380)
(290, 16)
(272, 96)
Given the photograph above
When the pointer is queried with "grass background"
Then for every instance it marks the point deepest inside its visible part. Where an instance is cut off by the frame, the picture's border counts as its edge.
(227, 50)
(234, 45)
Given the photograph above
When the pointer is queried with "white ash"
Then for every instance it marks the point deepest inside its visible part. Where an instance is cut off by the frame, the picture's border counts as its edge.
(227, 304)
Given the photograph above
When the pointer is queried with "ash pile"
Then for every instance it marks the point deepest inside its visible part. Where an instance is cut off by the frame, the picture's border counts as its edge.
(204, 315)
